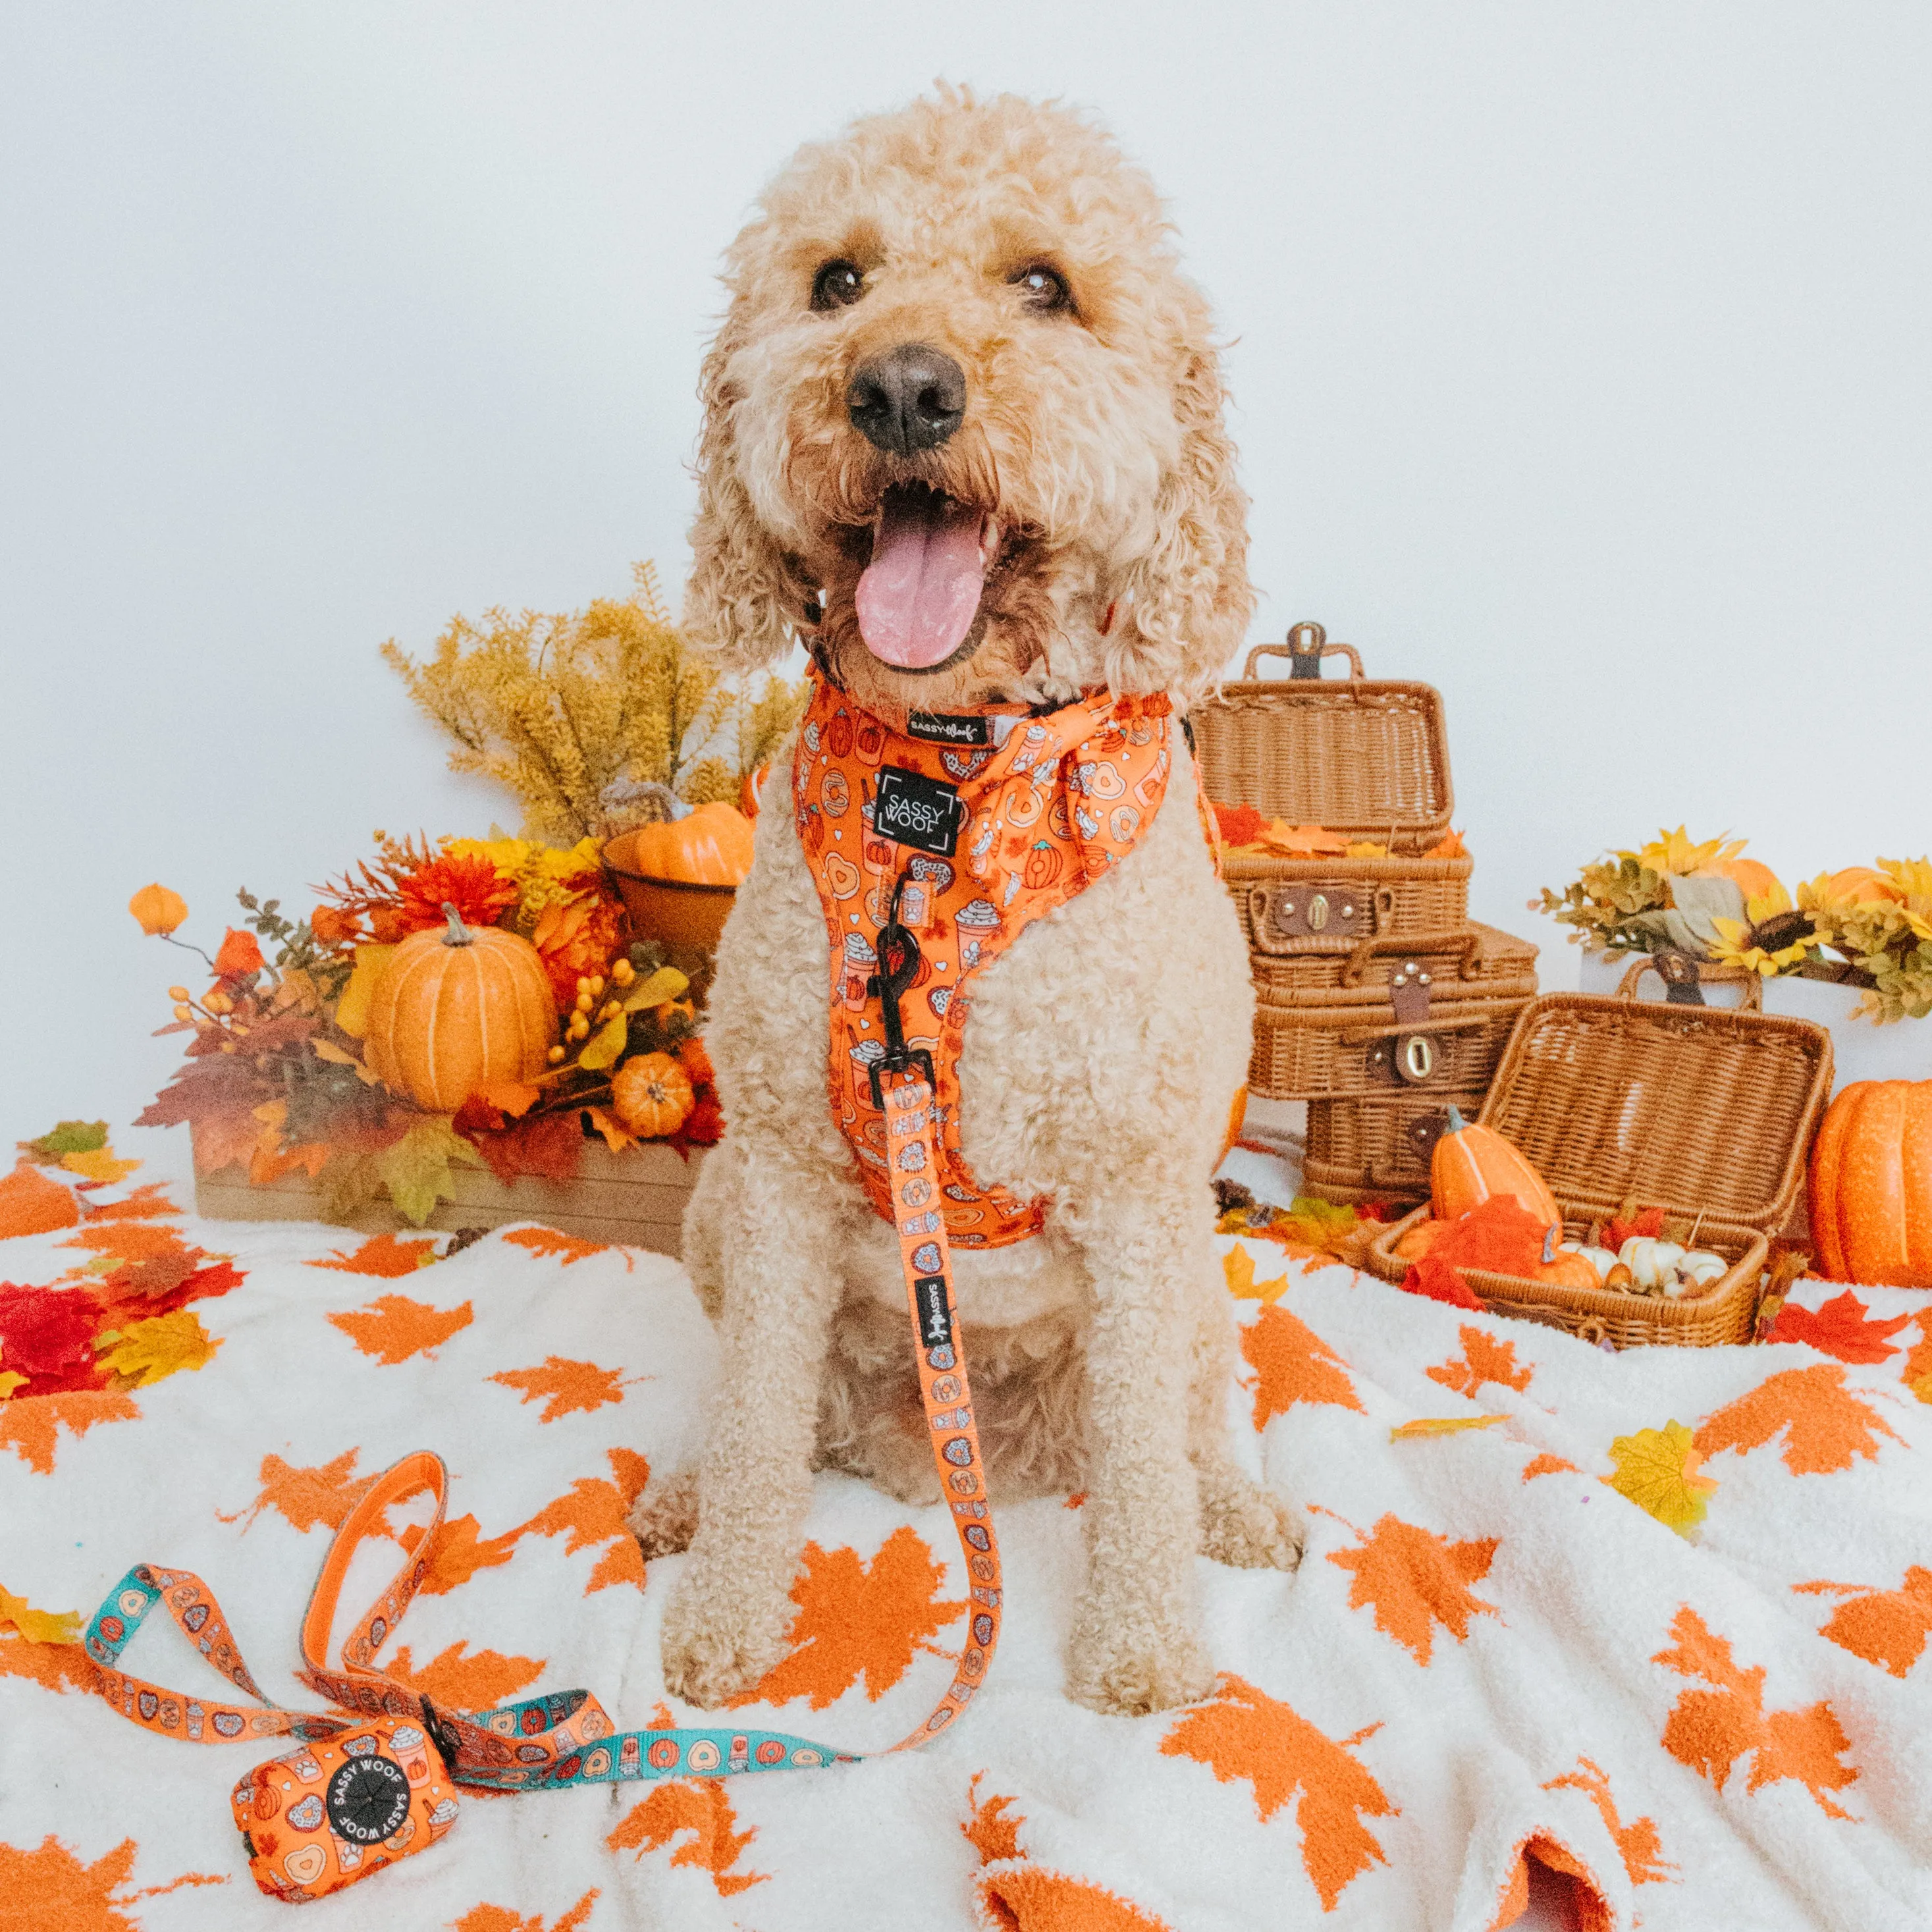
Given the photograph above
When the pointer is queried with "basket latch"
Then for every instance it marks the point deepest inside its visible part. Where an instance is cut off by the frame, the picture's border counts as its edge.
(1424, 1130)
(1321, 909)
(1304, 650)
(1407, 1059)
(1678, 972)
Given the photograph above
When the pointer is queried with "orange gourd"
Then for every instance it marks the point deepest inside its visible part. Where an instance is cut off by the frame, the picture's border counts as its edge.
(1859, 885)
(1472, 1162)
(651, 1094)
(709, 846)
(1871, 1185)
(452, 1011)
(1755, 880)
(1568, 1270)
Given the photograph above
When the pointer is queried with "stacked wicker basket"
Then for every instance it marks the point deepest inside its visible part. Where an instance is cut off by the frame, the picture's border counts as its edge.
(1379, 1001)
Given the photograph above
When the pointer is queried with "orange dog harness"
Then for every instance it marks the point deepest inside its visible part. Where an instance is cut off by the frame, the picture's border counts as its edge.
(957, 833)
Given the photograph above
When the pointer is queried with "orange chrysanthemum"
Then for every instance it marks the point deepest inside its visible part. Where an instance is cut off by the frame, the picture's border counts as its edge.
(480, 893)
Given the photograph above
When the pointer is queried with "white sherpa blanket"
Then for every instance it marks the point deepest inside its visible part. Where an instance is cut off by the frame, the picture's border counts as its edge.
(1490, 1650)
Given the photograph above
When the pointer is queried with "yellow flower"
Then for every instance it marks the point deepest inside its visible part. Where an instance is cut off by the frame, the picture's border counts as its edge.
(1737, 946)
(1676, 852)
(1768, 905)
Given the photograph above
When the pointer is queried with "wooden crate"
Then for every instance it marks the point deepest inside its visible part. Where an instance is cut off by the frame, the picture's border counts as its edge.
(635, 1199)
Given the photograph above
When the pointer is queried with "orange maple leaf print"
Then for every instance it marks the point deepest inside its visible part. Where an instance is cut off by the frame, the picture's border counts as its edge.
(1843, 1327)
(501, 1918)
(545, 1242)
(458, 1552)
(593, 1512)
(1292, 1364)
(1030, 1897)
(29, 1423)
(701, 1807)
(856, 1618)
(384, 1255)
(990, 1829)
(1886, 1628)
(392, 1327)
(1244, 1733)
(1637, 1843)
(1710, 1730)
(1484, 1359)
(53, 1890)
(462, 1683)
(565, 1387)
(1417, 1579)
(1829, 1426)
(1546, 1465)
(321, 1497)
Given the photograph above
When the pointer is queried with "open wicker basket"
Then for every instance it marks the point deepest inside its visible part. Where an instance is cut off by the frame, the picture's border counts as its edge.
(1706, 1114)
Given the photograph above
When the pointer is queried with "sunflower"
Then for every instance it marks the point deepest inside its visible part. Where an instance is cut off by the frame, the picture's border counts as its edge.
(1676, 852)
(1772, 938)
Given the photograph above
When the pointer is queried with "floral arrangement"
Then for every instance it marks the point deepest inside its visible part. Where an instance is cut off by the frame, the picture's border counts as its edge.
(1706, 899)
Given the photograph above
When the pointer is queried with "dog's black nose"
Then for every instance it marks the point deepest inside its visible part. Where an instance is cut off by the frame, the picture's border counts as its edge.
(911, 398)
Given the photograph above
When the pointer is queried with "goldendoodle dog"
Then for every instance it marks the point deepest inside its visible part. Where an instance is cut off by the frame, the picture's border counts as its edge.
(963, 436)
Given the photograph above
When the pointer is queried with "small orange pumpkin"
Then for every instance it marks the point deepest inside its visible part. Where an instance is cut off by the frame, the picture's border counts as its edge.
(1755, 880)
(1871, 1185)
(1568, 1270)
(709, 846)
(1859, 885)
(1472, 1162)
(452, 1011)
(651, 1094)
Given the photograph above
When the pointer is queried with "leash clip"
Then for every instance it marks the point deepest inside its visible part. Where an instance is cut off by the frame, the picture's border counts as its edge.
(897, 952)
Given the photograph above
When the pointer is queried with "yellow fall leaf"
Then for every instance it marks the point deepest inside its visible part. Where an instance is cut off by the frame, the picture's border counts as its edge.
(1367, 849)
(101, 1164)
(1657, 1469)
(351, 1010)
(1443, 1425)
(604, 1047)
(616, 1136)
(655, 988)
(9, 1382)
(1238, 1265)
(145, 1352)
(39, 1626)
(328, 1050)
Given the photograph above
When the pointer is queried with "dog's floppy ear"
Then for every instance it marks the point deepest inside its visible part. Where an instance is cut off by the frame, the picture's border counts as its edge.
(742, 600)
(1189, 598)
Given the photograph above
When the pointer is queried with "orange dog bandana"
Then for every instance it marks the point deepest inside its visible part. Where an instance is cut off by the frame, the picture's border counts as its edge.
(962, 830)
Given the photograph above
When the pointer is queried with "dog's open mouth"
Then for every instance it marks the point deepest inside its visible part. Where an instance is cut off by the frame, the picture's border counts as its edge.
(918, 596)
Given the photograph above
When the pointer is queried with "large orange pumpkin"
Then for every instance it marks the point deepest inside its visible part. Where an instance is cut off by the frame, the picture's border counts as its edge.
(708, 846)
(1871, 1185)
(1472, 1162)
(452, 1011)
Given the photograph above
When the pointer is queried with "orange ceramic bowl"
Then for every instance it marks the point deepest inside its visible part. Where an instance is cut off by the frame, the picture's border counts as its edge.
(671, 910)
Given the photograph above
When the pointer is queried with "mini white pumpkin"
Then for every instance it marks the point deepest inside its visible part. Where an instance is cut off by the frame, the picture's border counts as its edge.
(1703, 1267)
(1651, 1263)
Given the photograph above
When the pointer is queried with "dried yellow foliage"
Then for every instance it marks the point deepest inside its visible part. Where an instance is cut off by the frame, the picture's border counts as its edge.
(1657, 1469)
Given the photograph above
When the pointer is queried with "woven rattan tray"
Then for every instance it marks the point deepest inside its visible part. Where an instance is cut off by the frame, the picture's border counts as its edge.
(1706, 1114)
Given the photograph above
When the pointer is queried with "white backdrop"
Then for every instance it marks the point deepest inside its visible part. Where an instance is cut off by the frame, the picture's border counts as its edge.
(1582, 368)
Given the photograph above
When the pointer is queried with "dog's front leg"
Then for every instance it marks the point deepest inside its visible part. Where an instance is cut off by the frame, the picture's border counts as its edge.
(727, 1622)
(1135, 1646)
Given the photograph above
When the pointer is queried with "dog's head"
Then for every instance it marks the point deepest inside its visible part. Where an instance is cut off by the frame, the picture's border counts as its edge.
(963, 423)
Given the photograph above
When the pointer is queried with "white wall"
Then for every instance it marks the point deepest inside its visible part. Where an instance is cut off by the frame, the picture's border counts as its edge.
(1582, 369)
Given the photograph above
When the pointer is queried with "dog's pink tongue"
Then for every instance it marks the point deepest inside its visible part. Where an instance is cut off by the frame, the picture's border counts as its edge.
(918, 596)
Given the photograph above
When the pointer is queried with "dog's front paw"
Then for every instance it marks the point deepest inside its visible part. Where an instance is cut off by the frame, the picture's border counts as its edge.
(1250, 1527)
(719, 1638)
(1127, 1667)
(664, 1519)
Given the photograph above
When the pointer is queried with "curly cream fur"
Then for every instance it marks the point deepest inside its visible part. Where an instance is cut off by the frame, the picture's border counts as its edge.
(1106, 1043)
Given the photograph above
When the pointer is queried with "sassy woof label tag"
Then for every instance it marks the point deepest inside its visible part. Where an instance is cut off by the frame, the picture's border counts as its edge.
(918, 811)
(945, 728)
(935, 1319)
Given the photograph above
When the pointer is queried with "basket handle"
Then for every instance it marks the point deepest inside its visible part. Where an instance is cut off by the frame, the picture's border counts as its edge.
(1469, 943)
(1752, 1003)
(1475, 1013)
(1307, 645)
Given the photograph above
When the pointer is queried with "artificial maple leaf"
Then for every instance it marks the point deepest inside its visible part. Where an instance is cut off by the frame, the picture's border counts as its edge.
(146, 1202)
(67, 1137)
(392, 1327)
(9, 1382)
(701, 1807)
(30, 1203)
(1658, 1470)
(1237, 824)
(616, 1136)
(473, 1683)
(1546, 1465)
(1710, 1730)
(1023, 1897)
(322, 1496)
(415, 1169)
(565, 1387)
(47, 1335)
(1449, 846)
(1238, 1265)
(227, 1139)
(1442, 1425)
(164, 1345)
(1917, 1373)
(1417, 1579)
(594, 1512)
(1886, 1628)
(458, 1552)
(1292, 1364)
(1484, 1359)
(1839, 1326)
(47, 1626)
(856, 1618)
(1646, 1223)
(1300, 840)
(389, 1256)
(501, 1918)
(1829, 1426)
(1436, 1280)
(1637, 1843)
(990, 1829)
(547, 1243)
(1244, 1733)
(549, 1147)
(102, 1165)
(29, 1423)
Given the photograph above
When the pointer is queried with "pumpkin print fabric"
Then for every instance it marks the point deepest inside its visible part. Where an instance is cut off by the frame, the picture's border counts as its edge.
(1046, 806)
(1504, 1666)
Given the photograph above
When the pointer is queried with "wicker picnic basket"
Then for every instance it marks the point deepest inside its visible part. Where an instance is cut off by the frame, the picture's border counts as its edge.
(1359, 1150)
(1707, 1114)
(1366, 759)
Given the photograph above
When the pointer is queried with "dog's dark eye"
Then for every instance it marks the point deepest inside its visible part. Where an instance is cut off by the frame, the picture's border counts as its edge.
(1044, 289)
(837, 285)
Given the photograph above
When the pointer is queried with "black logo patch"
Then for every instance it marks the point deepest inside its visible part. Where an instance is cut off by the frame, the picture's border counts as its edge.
(943, 727)
(918, 812)
(935, 1319)
(368, 1799)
